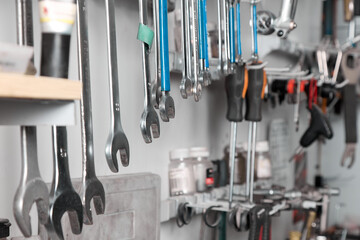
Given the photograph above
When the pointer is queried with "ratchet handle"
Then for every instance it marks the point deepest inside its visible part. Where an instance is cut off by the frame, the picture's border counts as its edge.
(319, 126)
(55, 55)
(205, 34)
(201, 29)
(255, 94)
(232, 34)
(236, 85)
(350, 98)
(164, 46)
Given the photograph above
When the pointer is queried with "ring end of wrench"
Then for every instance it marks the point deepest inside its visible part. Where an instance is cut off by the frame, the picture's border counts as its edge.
(197, 92)
(166, 107)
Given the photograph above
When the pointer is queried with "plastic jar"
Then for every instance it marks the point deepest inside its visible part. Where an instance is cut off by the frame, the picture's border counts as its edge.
(263, 162)
(181, 173)
(203, 169)
(240, 164)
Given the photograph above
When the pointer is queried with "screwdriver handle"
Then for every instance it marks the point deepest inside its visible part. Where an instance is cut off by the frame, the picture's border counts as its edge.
(255, 93)
(350, 99)
(236, 86)
(164, 46)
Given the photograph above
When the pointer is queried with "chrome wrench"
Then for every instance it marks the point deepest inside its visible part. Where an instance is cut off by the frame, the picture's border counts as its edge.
(156, 85)
(166, 105)
(32, 188)
(91, 186)
(149, 117)
(196, 86)
(117, 140)
(185, 86)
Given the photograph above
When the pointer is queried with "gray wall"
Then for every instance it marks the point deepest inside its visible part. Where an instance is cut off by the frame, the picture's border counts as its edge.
(196, 124)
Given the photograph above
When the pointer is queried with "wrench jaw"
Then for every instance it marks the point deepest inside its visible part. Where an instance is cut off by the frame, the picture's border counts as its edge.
(207, 78)
(93, 190)
(117, 142)
(197, 91)
(70, 202)
(149, 123)
(185, 87)
(166, 107)
(34, 191)
(155, 94)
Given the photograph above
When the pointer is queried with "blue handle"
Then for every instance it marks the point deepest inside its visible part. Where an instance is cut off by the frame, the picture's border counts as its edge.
(205, 35)
(164, 46)
(238, 28)
(255, 30)
(232, 34)
(201, 29)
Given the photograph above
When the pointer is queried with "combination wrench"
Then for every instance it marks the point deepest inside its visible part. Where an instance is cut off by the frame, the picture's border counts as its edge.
(117, 140)
(149, 118)
(166, 105)
(196, 86)
(156, 85)
(56, 38)
(185, 86)
(91, 186)
(32, 188)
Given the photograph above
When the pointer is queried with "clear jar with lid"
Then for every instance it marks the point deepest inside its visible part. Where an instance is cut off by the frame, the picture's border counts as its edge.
(181, 173)
(203, 169)
(240, 164)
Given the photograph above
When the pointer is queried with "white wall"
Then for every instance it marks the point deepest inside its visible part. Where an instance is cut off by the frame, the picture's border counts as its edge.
(195, 124)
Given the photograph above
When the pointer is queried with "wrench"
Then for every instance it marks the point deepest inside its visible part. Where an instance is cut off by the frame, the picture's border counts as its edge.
(156, 85)
(32, 188)
(350, 65)
(149, 117)
(206, 73)
(63, 197)
(91, 186)
(166, 105)
(196, 86)
(117, 141)
(185, 86)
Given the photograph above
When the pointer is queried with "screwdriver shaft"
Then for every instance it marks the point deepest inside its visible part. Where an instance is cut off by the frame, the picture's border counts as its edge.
(248, 161)
(232, 148)
(252, 149)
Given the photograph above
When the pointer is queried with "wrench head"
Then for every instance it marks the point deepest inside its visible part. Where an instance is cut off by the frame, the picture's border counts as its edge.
(65, 201)
(149, 122)
(207, 78)
(185, 87)
(34, 191)
(155, 94)
(117, 142)
(197, 91)
(349, 153)
(93, 189)
(166, 107)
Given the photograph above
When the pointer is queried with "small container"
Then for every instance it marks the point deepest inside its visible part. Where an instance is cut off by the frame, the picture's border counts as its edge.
(181, 173)
(263, 162)
(203, 169)
(4, 229)
(240, 164)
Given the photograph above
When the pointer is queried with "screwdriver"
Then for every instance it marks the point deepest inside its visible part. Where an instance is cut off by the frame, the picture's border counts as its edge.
(254, 96)
(235, 86)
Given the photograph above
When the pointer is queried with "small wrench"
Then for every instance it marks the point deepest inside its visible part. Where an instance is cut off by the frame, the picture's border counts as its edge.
(206, 74)
(196, 86)
(149, 117)
(185, 86)
(32, 188)
(350, 65)
(117, 140)
(156, 85)
(166, 105)
(63, 197)
(91, 186)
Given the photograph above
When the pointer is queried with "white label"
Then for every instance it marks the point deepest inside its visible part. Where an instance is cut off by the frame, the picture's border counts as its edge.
(57, 17)
(180, 181)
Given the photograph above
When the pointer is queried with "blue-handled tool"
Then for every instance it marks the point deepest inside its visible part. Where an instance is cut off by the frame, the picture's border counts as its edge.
(166, 105)
(238, 26)
(207, 75)
(232, 34)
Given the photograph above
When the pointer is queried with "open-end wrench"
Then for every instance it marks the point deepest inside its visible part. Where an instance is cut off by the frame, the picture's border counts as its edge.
(196, 86)
(117, 141)
(32, 188)
(206, 75)
(200, 21)
(149, 118)
(185, 86)
(63, 197)
(91, 186)
(166, 105)
(56, 37)
(156, 85)
(350, 65)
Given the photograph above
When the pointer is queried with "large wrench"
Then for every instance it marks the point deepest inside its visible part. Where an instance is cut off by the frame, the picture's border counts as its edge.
(196, 86)
(149, 118)
(32, 188)
(156, 85)
(91, 186)
(166, 105)
(117, 141)
(185, 86)
(63, 197)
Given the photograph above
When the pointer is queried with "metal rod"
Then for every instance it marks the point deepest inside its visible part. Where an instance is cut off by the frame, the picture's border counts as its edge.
(248, 161)
(253, 150)
(232, 149)
(220, 36)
